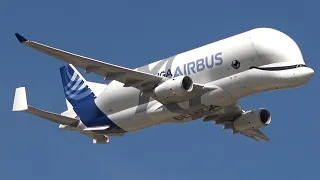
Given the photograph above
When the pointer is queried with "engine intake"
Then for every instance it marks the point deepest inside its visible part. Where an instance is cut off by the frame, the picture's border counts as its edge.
(264, 116)
(177, 86)
(253, 119)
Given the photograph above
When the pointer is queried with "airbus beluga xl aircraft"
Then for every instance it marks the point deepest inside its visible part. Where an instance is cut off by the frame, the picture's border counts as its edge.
(205, 82)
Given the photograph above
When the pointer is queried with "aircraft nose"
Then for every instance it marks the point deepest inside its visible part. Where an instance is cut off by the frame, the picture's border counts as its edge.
(304, 74)
(309, 73)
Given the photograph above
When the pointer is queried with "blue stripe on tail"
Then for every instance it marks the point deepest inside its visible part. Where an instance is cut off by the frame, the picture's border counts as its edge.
(80, 96)
(75, 89)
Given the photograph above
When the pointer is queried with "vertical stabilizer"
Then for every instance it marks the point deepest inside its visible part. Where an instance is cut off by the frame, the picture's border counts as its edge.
(75, 87)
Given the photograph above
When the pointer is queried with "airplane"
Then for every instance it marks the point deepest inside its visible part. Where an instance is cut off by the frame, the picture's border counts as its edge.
(203, 83)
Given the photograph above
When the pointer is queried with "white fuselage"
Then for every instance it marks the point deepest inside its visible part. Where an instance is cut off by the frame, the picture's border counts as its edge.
(236, 67)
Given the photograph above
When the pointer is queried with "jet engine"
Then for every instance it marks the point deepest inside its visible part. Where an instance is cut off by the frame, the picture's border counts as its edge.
(253, 119)
(177, 86)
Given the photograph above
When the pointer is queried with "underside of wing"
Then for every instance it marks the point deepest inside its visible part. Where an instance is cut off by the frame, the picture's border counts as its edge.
(255, 134)
(226, 117)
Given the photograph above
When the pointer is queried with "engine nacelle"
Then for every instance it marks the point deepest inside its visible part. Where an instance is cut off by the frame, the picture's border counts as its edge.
(177, 86)
(253, 119)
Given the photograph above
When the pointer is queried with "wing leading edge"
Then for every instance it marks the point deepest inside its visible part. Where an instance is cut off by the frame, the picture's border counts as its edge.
(127, 76)
(145, 82)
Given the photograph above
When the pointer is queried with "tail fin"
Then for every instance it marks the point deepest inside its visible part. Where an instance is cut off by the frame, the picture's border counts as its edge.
(75, 86)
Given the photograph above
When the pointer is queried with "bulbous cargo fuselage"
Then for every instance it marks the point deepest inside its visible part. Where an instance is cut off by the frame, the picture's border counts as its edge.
(254, 61)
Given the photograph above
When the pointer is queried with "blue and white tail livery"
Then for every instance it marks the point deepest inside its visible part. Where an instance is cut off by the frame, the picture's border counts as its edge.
(82, 100)
(75, 86)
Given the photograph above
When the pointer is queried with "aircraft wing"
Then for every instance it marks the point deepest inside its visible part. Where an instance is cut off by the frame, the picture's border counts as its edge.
(129, 77)
(20, 104)
(255, 134)
(226, 116)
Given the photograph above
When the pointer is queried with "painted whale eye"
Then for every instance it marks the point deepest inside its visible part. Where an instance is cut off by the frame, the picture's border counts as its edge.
(235, 64)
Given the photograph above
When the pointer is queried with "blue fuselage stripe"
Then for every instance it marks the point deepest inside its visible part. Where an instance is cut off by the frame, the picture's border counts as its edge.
(91, 116)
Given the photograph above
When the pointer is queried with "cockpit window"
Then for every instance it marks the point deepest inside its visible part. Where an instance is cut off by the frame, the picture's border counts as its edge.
(235, 64)
(279, 68)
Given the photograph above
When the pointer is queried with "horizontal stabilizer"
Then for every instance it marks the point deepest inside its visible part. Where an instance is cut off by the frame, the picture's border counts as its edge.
(20, 104)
